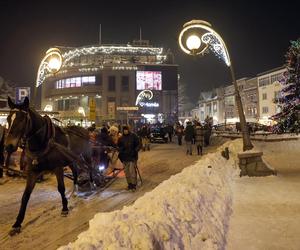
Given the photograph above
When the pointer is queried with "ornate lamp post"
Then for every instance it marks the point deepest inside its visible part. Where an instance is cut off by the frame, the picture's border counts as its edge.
(198, 38)
(50, 64)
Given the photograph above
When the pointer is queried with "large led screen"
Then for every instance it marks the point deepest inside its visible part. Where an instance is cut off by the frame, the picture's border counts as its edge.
(148, 80)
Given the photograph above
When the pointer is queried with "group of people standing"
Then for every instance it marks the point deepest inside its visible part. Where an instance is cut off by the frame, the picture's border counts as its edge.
(127, 146)
(194, 134)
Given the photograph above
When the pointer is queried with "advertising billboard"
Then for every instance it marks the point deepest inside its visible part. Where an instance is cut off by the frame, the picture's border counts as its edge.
(151, 80)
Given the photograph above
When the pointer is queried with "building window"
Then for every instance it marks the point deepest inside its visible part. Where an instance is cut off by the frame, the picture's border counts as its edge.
(125, 83)
(277, 96)
(264, 96)
(276, 77)
(265, 110)
(264, 81)
(75, 82)
(111, 83)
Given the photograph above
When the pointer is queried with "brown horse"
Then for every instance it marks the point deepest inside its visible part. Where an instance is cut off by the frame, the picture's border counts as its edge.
(48, 148)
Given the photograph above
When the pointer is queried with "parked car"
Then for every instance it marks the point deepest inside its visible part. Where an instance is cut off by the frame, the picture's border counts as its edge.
(158, 135)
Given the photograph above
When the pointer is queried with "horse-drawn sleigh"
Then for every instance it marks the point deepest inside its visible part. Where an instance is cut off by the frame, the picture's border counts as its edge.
(49, 147)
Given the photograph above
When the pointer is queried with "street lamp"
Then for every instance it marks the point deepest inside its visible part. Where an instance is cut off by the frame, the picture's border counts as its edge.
(50, 64)
(198, 38)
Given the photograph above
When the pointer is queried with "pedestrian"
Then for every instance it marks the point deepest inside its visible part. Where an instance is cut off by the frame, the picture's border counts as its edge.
(104, 140)
(170, 130)
(144, 134)
(179, 134)
(199, 138)
(189, 135)
(129, 147)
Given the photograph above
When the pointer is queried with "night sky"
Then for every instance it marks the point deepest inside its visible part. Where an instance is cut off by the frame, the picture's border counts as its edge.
(257, 33)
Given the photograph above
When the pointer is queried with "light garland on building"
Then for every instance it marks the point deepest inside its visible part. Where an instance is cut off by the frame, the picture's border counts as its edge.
(124, 68)
(109, 50)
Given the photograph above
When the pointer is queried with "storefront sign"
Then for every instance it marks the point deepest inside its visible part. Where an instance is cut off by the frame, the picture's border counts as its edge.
(127, 108)
(92, 105)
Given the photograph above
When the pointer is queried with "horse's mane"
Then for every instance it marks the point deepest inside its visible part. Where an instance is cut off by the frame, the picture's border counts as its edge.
(79, 131)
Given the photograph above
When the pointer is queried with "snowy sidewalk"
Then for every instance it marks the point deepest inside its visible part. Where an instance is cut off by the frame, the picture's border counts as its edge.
(266, 210)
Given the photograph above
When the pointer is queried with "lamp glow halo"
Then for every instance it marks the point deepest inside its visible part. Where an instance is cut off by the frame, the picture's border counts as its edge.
(45, 67)
(211, 38)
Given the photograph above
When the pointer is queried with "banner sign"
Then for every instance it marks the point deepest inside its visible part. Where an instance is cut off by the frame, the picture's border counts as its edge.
(92, 105)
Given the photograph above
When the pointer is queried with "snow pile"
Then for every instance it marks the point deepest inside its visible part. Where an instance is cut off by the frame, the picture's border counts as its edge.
(190, 210)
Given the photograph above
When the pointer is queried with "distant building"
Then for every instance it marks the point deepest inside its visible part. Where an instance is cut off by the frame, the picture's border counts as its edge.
(269, 88)
(6, 89)
(111, 78)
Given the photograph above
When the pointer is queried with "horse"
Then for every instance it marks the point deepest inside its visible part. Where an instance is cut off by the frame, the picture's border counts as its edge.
(48, 148)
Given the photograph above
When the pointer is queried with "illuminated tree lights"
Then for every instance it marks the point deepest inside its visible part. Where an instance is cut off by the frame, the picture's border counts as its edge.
(288, 120)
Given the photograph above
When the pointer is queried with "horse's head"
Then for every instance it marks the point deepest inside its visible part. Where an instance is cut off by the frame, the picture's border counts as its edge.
(18, 121)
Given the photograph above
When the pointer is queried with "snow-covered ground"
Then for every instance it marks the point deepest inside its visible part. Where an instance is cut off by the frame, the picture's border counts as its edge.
(266, 210)
(43, 226)
(191, 210)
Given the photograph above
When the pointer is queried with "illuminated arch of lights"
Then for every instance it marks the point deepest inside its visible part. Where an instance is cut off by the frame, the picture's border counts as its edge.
(145, 94)
(210, 38)
(46, 67)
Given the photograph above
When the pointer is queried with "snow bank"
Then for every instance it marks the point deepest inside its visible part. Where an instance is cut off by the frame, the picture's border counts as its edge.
(190, 210)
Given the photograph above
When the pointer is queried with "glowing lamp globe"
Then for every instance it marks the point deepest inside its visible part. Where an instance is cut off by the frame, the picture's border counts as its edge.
(193, 42)
(54, 64)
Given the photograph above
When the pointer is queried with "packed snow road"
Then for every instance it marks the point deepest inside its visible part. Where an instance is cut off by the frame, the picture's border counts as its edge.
(44, 228)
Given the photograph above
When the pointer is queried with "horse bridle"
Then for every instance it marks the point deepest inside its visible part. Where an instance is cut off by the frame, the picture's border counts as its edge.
(28, 123)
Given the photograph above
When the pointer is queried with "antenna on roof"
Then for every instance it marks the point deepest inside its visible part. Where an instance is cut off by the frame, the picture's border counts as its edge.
(140, 33)
(100, 34)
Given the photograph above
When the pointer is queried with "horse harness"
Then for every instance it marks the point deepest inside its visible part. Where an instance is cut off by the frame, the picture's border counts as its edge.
(49, 138)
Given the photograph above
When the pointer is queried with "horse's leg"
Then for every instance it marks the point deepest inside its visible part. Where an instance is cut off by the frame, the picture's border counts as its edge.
(73, 167)
(59, 172)
(87, 158)
(31, 180)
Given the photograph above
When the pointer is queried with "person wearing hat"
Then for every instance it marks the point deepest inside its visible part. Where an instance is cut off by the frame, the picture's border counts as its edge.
(129, 146)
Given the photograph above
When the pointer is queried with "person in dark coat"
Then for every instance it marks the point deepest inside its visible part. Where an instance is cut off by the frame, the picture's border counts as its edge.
(105, 140)
(199, 137)
(170, 130)
(129, 146)
(189, 135)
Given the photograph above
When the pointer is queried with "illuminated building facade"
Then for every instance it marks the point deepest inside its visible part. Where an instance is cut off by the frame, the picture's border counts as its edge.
(94, 81)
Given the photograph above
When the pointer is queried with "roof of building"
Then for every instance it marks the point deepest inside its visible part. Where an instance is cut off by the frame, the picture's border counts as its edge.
(271, 70)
